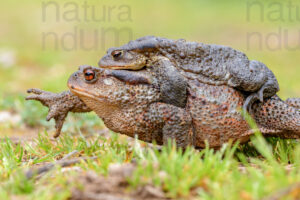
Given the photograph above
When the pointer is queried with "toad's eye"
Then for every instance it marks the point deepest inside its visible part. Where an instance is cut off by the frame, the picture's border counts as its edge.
(116, 53)
(89, 75)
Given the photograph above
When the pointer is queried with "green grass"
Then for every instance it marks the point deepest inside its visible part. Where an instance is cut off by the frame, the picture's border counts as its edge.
(228, 173)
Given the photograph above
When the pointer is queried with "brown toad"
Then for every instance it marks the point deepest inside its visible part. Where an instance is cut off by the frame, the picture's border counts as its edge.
(209, 64)
(131, 103)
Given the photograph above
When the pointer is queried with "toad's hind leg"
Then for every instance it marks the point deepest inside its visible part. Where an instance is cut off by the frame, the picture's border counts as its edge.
(261, 82)
(275, 114)
(295, 102)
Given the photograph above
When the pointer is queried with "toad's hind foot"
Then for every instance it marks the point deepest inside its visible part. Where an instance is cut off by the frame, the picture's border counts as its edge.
(265, 91)
(257, 96)
(261, 83)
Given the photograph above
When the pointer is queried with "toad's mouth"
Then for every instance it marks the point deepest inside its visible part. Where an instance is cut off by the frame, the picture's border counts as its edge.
(123, 66)
(84, 93)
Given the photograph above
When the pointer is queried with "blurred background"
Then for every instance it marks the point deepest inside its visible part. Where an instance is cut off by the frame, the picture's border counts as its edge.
(43, 42)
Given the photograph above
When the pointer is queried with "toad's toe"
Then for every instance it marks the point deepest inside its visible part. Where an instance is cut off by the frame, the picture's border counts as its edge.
(249, 101)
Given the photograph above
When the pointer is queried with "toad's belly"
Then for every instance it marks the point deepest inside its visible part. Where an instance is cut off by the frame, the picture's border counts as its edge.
(216, 113)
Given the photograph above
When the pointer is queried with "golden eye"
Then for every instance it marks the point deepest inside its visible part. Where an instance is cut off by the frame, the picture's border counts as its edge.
(116, 53)
(89, 75)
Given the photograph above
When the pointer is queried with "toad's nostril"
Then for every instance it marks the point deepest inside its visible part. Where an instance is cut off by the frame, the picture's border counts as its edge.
(75, 74)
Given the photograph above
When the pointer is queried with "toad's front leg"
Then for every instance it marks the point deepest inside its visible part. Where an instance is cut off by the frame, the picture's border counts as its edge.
(59, 104)
(176, 123)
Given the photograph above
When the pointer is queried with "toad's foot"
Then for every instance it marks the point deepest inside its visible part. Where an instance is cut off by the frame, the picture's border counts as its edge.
(59, 104)
(257, 96)
(256, 79)
(264, 92)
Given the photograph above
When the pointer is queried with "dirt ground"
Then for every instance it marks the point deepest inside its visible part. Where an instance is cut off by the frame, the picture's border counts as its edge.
(114, 186)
